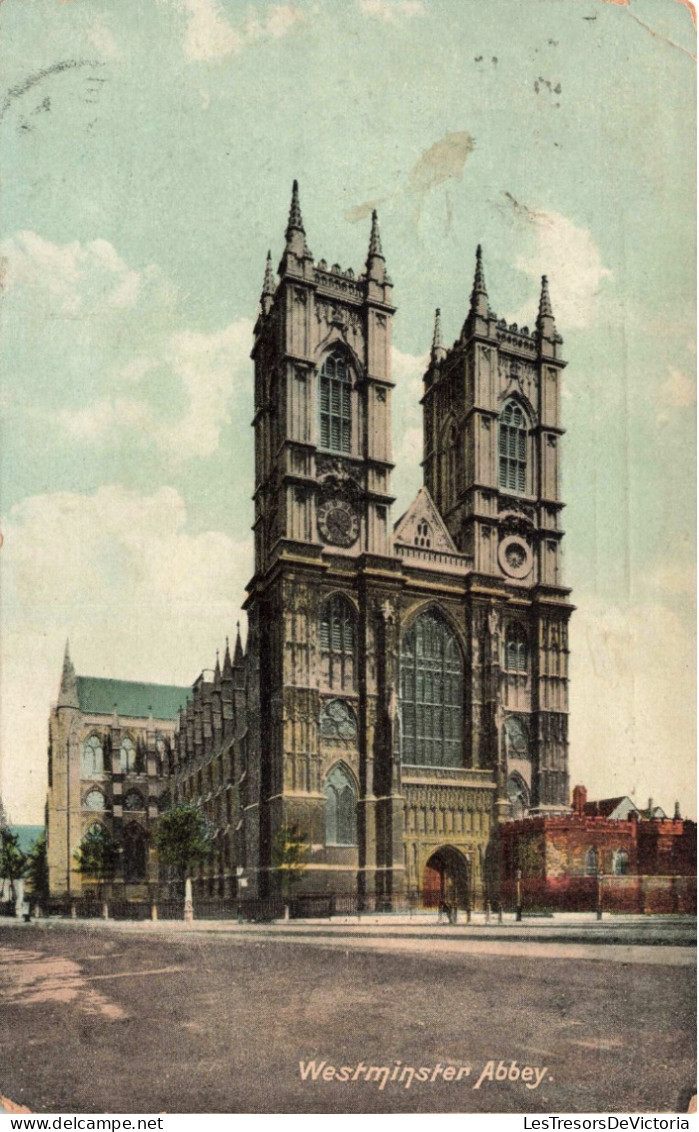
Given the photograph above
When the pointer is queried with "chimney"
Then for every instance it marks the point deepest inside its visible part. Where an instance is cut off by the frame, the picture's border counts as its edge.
(579, 800)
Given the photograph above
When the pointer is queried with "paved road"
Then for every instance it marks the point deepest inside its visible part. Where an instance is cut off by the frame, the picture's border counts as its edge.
(130, 1019)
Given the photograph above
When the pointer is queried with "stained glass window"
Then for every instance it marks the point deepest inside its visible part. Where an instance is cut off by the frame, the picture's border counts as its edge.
(340, 808)
(133, 801)
(92, 762)
(516, 648)
(431, 694)
(94, 800)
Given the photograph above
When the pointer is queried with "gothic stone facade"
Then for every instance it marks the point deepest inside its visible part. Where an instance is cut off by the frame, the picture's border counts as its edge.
(407, 688)
(109, 764)
(404, 688)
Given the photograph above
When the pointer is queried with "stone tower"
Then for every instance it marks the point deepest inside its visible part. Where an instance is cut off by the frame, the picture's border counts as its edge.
(322, 555)
(492, 435)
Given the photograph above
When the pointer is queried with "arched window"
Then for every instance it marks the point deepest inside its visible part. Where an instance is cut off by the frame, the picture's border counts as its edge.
(338, 637)
(512, 448)
(92, 761)
(516, 648)
(94, 800)
(133, 801)
(335, 396)
(338, 721)
(621, 863)
(591, 863)
(423, 533)
(431, 694)
(135, 853)
(165, 802)
(127, 755)
(516, 738)
(518, 796)
(340, 808)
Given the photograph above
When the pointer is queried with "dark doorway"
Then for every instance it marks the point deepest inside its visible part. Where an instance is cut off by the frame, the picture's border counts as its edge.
(446, 880)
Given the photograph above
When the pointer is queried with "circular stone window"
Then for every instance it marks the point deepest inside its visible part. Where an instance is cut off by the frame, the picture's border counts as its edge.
(515, 557)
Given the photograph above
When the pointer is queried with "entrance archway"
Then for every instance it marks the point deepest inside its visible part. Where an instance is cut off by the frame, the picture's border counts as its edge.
(446, 879)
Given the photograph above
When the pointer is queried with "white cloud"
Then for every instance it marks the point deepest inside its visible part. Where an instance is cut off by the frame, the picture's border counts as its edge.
(120, 574)
(570, 258)
(633, 702)
(389, 10)
(211, 368)
(72, 280)
(210, 36)
(678, 391)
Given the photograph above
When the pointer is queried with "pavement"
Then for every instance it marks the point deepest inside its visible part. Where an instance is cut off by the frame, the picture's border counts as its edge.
(658, 940)
(217, 1016)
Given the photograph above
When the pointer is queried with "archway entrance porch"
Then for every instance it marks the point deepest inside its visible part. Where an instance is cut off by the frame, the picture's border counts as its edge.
(446, 880)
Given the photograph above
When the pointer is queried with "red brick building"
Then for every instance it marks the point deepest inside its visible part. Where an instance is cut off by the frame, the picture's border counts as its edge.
(634, 863)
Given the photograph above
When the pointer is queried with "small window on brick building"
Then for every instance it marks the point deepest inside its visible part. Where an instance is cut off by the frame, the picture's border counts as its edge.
(591, 863)
(621, 863)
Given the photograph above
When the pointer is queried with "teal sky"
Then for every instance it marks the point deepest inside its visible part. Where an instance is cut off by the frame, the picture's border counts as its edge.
(148, 149)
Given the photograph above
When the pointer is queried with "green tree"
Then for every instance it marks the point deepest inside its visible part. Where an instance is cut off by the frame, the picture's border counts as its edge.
(182, 839)
(97, 856)
(289, 851)
(37, 872)
(12, 860)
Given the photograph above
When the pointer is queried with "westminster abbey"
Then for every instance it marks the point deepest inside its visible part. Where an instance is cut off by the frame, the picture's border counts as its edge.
(404, 686)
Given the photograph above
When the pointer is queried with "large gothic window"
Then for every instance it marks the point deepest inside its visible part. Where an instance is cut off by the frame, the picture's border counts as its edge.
(335, 394)
(340, 808)
(512, 447)
(92, 761)
(338, 639)
(431, 694)
(516, 648)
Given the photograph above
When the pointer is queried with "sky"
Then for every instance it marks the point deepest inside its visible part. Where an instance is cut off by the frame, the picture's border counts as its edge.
(148, 150)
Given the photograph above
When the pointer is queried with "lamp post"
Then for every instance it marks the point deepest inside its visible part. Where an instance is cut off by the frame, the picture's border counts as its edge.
(518, 914)
(600, 876)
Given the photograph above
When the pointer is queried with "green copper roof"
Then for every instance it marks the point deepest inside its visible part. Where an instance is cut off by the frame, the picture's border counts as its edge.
(98, 696)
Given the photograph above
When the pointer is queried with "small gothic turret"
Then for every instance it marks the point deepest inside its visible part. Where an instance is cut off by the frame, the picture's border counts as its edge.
(217, 670)
(227, 666)
(438, 351)
(479, 294)
(268, 287)
(545, 322)
(68, 692)
(376, 262)
(238, 657)
(295, 232)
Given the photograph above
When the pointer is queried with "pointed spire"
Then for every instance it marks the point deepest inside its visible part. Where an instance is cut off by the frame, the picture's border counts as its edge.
(295, 219)
(295, 232)
(375, 260)
(375, 237)
(238, 658)
(68, 691)
(269, 286)
(227, 666)
(217, 670)
(438, 351)
(545, 309)
(479, 294)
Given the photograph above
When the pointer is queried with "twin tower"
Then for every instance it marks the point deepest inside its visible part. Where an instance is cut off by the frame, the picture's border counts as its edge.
(407, 684)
